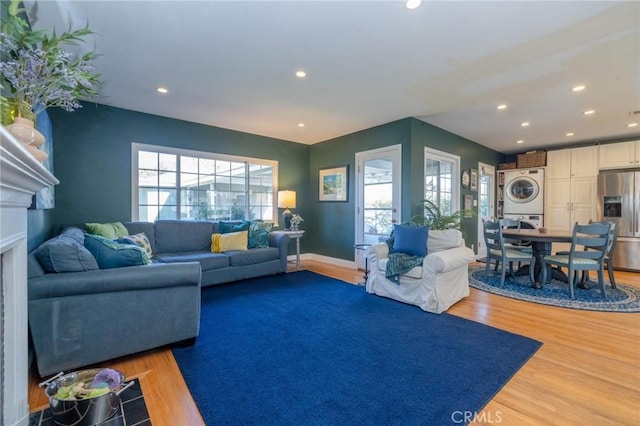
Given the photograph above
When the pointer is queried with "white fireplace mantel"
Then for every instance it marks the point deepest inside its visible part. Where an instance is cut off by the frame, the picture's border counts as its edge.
(20, 177)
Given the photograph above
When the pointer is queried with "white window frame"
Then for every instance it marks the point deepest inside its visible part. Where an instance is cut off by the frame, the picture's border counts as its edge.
(434, 154)
(136, 147)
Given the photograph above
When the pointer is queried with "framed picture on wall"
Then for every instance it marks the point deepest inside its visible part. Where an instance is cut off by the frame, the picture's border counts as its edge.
(333, 184)
(473, 179)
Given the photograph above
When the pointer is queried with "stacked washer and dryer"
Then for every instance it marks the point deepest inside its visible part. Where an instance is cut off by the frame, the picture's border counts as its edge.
(524, 197)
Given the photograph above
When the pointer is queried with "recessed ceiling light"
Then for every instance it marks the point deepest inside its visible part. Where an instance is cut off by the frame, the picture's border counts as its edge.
(579, 88)
(301, 74)
(162, 90)
(632, 125)
(524, 124)
(300, 124)
(412, 4)
(520, 141)
(569, 134)
(502, 106)
(589, 112)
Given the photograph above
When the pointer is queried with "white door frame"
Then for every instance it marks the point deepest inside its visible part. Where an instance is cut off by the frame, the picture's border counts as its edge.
(488, 170)
(395, 153)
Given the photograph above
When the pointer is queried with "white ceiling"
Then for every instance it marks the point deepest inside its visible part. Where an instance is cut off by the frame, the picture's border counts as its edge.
(450, 63)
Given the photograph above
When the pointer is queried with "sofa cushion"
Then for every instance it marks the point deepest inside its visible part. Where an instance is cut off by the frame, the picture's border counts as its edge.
(147, 227)
(66, 253)
(207, 260)
(444, 239)
(259, 234)
(111, 254)
(411, 240)
(229, 242)
(253, 256)
(178, 236)
(226, 227)
(107, 230)
(414, 273)
(140, 240)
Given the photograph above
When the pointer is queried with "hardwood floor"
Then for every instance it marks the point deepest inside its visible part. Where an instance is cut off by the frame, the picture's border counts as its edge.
(587, 371)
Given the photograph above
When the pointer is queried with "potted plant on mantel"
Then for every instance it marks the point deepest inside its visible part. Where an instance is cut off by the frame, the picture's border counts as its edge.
(36, 73)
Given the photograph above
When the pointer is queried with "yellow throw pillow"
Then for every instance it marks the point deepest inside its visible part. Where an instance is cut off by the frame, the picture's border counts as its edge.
(229, 241)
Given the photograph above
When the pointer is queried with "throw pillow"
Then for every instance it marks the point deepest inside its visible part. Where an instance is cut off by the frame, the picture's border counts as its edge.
(111, 254)
(107, 230)
(259, 234)
(411, 240)
(229, 241)
(66, 253)
(140, 240)
(227, 227)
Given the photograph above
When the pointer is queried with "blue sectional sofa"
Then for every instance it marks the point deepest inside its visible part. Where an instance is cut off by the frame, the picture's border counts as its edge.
(90, 316)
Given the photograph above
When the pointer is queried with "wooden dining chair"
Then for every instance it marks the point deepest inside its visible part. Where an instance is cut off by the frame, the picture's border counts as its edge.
(595, 237)
(499, 252)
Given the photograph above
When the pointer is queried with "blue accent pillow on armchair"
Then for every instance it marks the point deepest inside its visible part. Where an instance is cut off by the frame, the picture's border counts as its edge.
(411, 240)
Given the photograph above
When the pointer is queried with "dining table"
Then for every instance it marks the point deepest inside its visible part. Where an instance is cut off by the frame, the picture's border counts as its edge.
(541, 242)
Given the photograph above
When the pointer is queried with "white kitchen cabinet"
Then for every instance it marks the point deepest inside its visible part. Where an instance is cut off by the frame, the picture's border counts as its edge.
(574, 162)
(619, 155)
(570, 188)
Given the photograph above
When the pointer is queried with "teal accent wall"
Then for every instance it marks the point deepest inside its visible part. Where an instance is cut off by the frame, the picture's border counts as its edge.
(93, 163)
(331, 225)
(470, 153)
(93, 158)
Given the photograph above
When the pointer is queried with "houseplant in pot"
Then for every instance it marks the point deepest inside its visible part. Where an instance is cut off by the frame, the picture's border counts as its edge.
(38, 72)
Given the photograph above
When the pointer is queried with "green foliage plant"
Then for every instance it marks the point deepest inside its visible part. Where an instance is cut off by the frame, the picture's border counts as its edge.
(437, 220)
(37, 72)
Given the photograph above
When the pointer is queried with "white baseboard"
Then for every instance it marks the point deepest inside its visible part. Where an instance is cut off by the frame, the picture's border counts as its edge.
(324, 259)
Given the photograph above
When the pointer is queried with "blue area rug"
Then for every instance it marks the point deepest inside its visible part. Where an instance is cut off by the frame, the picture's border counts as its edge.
(623, 298)
(303, 349)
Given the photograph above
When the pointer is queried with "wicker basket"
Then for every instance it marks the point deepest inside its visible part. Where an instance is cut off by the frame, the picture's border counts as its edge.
(532, 159)
(507, 166)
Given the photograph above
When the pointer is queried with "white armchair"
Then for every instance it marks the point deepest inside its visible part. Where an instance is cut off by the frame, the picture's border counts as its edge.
(441, 281)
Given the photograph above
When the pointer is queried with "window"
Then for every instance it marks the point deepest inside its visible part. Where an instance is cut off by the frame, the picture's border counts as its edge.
(170, 183)
(441, 171)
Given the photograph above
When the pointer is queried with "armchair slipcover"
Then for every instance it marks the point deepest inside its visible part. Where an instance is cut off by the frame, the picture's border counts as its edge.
(441, 281)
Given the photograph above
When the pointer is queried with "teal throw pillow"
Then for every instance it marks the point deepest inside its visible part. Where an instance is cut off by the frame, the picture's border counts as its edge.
(66, 253)
(411, 240)
(259, 234)
(226, 227)
(111, 254)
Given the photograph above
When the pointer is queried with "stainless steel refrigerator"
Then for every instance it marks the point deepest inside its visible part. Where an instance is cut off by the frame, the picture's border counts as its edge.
(619, 202)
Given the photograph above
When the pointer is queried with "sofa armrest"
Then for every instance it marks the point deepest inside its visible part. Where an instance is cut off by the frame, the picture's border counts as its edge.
(447, 260)
(376, 253)
(281, 242)
(143, 277)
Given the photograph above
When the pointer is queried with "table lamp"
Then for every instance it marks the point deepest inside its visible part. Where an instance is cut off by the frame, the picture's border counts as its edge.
(286, 200)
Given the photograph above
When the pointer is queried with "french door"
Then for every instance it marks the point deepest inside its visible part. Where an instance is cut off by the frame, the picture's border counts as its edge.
(486, 202)
(378, 188)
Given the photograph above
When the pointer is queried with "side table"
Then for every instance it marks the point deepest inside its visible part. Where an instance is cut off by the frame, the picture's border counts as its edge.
(296, 235)
(363, 247)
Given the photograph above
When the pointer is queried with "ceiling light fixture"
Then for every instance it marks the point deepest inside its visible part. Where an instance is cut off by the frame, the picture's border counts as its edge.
(632, 125)
(300, 124)
(569, 134)
(520, 141)
(579, 88)
(502, 106)
(589, 112)
(412, 4)
(524, 124)
(162, 90)
(301, 74)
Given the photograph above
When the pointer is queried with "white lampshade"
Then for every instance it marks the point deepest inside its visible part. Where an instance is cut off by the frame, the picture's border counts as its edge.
(287, 199)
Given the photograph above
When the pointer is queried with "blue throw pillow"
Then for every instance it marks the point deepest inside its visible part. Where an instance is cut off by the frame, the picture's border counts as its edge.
(410, 240)
(111, 254)
(226, 227)
(259, 234)
(66, 253)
